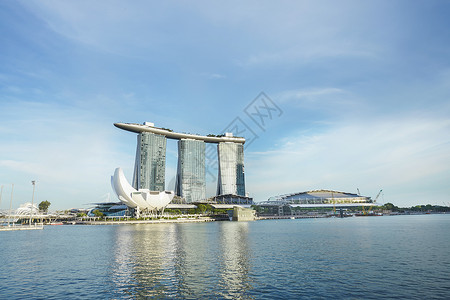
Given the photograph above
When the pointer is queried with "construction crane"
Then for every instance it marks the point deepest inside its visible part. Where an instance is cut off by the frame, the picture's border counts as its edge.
(374, 201)
(376, 198)
(334, 203)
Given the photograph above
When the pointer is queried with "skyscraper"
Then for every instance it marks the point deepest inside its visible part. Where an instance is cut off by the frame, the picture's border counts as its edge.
(150, 165)
(231, 169)
(190, 181)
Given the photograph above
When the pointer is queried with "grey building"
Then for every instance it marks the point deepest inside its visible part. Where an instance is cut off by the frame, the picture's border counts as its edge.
(150, 165)
(231, 169)
(191, 179)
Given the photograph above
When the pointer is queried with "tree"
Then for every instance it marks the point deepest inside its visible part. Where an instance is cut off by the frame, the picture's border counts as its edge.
(390, 206)
(429, 207)
(44, 205)
(201, 208)
(98, 213)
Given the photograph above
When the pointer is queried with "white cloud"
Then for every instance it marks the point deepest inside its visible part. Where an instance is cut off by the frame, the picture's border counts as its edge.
(342, 67)
(265, 32)
(112, 27)
(398, 155)
(323, 47)
(217, 76)
(20, 166)
(332, 100)
(213, 75)
(308, 93)
(312, 96)
(70, 152)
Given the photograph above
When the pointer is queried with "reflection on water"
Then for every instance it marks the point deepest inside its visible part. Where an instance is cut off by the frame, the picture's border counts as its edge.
(169, 260)
(234, 258)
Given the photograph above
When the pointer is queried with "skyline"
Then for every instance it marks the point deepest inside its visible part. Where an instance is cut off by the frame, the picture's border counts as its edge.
(361, 89)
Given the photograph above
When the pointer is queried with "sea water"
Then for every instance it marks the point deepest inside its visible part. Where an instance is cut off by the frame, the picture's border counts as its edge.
(352, 258)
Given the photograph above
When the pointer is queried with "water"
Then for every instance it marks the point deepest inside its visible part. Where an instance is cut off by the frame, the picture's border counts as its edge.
(352, 258)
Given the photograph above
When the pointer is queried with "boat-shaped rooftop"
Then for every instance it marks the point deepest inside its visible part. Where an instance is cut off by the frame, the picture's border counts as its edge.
(149, 127)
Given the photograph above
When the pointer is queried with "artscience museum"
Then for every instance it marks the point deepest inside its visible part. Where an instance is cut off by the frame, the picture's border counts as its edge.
(142, 199)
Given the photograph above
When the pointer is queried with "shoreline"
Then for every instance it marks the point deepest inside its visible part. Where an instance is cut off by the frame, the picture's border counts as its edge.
(189, 220)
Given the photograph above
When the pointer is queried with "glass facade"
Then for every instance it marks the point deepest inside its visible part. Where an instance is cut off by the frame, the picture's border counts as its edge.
(231, 169)
(150, 165)
(191, 181)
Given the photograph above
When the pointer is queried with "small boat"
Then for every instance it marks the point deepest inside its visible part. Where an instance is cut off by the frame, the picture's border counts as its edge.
(55, 223)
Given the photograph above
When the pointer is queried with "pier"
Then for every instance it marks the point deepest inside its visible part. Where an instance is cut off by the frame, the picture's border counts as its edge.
(13, 227)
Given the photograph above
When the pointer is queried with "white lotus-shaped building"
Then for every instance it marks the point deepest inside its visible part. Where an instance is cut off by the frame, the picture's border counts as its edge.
(27, 209)
(142, 199)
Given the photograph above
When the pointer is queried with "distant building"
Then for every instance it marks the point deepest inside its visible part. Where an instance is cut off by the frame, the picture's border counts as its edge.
(110, 209)
(27, 209)
(232, 199)
(320, 198)
(243, 214)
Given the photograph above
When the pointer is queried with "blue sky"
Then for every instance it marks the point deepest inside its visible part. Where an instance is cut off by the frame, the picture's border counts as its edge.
(362, 87)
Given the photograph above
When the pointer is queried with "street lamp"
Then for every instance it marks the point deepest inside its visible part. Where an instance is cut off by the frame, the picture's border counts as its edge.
(1, 193)
(32, 200)
(10, 204)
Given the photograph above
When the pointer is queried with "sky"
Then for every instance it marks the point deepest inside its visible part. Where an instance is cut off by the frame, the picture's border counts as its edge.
(338, 95)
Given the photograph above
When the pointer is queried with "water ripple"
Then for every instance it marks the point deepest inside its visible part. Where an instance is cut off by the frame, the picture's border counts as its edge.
(355, 258)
